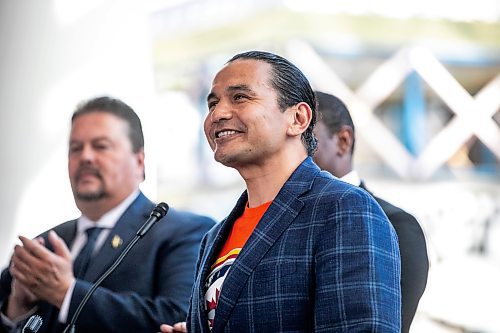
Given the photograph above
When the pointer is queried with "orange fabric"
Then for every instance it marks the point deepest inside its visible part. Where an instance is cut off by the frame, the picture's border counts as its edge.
(241, 231)
(243, 228)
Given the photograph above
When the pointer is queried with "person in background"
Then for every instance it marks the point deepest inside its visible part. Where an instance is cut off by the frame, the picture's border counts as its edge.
(301, 251)
(336, 136)
(49, 275)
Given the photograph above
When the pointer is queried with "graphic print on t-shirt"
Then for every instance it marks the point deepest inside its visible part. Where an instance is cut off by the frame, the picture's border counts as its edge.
(241, 231)
(215, 280)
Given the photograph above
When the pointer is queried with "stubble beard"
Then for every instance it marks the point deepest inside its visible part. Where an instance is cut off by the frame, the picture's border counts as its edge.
(234, 159)
(99, 194)
(89, 196)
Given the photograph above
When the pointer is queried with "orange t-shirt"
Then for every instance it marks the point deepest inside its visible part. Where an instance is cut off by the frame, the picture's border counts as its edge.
(242, 229)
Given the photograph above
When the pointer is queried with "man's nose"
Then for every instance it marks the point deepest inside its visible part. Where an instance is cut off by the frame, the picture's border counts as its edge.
(87, 153)
(222, 111)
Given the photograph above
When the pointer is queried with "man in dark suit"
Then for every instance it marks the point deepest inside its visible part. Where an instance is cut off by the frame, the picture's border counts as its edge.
(153, 283)
(336, 136)
(301, 251)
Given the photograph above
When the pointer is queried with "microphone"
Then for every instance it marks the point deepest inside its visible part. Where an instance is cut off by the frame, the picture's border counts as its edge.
(157, 214)
(33, 324)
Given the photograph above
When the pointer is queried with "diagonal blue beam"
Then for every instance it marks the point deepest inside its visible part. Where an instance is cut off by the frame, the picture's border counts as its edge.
(413, 131)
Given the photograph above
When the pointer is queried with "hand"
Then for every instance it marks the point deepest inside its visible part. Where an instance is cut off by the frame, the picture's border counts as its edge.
(19, 292)
(21, 300)
(179, 327)
(45, 274)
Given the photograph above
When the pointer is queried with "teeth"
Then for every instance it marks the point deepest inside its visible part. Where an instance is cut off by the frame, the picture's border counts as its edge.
(225, 133)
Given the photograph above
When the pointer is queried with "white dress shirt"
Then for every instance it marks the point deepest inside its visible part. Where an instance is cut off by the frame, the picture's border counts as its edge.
(352, 178)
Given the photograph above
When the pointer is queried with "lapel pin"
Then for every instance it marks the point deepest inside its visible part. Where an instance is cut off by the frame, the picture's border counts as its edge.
(116, 242)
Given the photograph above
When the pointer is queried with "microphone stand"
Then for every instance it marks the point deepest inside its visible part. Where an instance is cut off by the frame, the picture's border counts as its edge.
(158, 212)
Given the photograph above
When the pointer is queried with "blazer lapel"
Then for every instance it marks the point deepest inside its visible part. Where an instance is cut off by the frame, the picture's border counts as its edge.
(280, 214)
(125, 228)
(67, 232)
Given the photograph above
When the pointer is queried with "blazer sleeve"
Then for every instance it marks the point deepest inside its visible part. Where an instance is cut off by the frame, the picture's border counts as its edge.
(357, 269)
(109, 311)
(5, 285)
(5, 288)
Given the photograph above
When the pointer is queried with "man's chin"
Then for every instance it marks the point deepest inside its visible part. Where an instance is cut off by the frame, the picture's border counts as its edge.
(231, 160)
(90, 196)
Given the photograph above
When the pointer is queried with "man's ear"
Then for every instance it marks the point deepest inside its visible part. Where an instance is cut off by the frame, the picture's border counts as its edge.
(139, 156)
(345, 139)
(300, 118)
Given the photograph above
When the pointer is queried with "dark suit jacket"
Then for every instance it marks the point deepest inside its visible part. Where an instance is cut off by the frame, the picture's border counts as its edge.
(323, 258)
(414, 260)
(151, 286)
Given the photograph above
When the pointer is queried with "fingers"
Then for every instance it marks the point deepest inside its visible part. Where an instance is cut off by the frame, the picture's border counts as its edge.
(23, 262)
(22, 293)
(177, 328)
(164, 328)
(19, 267)
(34, 248)
(59, 245)
(30, 262)
(40, 240)
(46, 274)
(180, 327)
(28, 258)
(22, 271)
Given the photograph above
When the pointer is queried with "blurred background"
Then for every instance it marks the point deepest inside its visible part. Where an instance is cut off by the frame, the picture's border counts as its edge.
(421, 78)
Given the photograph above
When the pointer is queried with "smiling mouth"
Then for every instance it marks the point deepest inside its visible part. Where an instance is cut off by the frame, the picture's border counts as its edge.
(225, 133)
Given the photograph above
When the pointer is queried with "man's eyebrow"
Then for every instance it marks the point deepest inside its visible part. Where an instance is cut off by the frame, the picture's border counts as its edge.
(239, 87)
(93, 140)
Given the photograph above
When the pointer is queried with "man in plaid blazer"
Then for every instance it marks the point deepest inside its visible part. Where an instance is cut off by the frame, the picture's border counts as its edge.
(323, 256)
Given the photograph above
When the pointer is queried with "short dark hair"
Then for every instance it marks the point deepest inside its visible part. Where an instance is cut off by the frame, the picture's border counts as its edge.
(292, 87)
(119, 109)
(334, 114)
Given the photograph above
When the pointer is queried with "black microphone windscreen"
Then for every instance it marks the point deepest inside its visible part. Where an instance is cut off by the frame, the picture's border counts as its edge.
(160, 210)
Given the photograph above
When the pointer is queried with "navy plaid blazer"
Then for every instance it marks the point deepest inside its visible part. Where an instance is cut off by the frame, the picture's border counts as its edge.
(323, 258)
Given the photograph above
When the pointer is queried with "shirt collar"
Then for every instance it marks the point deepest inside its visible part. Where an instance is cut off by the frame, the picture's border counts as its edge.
(352, 178)
(108, 220)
